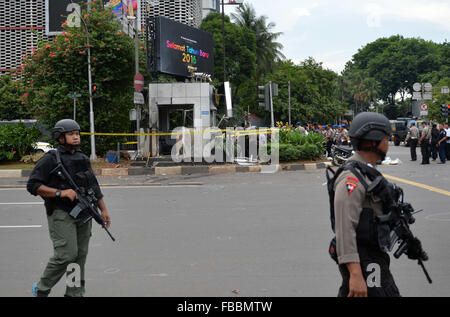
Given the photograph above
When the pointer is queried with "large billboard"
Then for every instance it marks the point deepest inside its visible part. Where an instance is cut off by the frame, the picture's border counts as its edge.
(178, 46)
(59, 11)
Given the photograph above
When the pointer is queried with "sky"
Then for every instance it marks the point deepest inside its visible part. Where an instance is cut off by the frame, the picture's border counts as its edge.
(332, 31)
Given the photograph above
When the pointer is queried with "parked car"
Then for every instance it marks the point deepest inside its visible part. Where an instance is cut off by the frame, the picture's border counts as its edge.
(42, 147)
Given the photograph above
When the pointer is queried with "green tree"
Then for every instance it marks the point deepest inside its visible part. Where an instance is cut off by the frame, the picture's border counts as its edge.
(395, 63)
(11, 106)
(438, 100)
(314, 92)
(59, 68)
(268, 50)
(240, 45)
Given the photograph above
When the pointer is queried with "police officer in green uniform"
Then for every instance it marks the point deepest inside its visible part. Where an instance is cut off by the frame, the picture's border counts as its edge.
(363, 264)
(70, 237)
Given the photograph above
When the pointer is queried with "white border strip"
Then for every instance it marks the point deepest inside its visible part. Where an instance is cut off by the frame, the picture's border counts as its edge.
(19, 227)
(36, 203)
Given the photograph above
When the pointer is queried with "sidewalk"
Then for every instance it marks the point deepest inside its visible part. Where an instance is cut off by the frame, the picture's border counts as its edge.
(181, 170)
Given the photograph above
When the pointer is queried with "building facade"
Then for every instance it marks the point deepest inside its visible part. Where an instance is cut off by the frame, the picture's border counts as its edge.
(209, 6)
(185, 11)
(22, 22)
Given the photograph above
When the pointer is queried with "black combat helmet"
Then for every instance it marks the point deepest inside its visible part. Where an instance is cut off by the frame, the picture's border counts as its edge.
(369, 126)
(63, 126)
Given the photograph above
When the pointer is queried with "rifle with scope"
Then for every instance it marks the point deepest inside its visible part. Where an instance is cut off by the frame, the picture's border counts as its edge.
(399, 216)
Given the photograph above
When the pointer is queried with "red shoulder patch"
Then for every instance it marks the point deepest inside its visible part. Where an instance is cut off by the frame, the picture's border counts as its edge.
(351, 186)
(355, 180)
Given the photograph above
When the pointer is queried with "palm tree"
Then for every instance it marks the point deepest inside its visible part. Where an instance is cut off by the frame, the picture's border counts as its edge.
(268, 50)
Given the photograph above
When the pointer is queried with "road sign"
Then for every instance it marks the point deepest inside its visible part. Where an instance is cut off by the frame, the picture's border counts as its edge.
(417, 87)
(428, 87)
(417, 95)
(139, 82)
(427, 96)
(424, 109)
(139, 98)
(74, 96)
(445, 90)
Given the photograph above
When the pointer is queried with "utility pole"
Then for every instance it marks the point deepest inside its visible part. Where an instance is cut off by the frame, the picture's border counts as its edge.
(223, 43)
(132, 16)
(234, 2)
(91, 103)
(289, 93)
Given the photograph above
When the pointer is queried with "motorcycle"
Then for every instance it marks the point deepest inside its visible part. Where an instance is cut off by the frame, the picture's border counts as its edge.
(340, 154)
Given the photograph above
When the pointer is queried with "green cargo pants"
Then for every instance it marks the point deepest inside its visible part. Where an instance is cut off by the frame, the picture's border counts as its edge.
(70, 239)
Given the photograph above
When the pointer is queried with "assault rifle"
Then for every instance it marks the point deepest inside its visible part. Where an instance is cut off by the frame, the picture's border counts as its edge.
(399, 217)
(87, 202)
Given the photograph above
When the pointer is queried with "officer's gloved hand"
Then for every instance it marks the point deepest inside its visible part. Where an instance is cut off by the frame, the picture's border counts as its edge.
(415, 251)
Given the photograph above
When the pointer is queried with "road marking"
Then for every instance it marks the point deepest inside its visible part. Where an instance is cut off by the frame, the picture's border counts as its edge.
(15, 227)
(438, 217)
(431, 188)
(36, 203)
(118, 186)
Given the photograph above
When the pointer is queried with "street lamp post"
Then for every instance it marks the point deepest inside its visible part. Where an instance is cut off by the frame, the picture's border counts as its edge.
(230, 2)
(91, 103)
(136, 51)
(223, 43)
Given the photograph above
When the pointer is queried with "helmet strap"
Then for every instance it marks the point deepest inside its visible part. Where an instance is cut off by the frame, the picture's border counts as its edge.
(376, 150)
(69, 147)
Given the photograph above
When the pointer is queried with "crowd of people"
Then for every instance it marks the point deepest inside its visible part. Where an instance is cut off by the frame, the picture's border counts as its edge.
(434, 141)
(333, 133)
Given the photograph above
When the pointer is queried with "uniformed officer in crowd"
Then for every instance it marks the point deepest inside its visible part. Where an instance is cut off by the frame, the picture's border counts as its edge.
(70, 237)
(441, 144)
(329, 138)
(356, 245)
(447, 147)
(413, 137)
(345, 135)
(424, 143)
(434, 141)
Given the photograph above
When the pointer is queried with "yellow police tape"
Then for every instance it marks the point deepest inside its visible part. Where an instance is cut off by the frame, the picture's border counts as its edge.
(232, 133)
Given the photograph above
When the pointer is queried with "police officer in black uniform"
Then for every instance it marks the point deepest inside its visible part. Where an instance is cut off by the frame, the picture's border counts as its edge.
(70, 237)
(363, 263)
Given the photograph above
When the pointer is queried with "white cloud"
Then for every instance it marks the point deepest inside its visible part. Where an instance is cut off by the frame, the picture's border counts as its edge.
(302, 12)
(285, 13)
(348, 34)
(434, 11)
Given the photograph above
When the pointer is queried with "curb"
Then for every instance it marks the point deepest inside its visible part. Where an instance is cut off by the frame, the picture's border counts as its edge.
(184, 170)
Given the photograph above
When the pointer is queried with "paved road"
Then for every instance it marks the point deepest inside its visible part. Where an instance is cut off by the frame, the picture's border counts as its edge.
(262, 235)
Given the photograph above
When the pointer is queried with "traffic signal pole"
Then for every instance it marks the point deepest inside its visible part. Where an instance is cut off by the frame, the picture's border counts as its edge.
(272, 118)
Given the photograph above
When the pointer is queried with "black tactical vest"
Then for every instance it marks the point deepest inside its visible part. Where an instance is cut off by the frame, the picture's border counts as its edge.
(370, 236)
